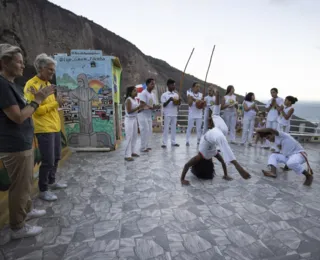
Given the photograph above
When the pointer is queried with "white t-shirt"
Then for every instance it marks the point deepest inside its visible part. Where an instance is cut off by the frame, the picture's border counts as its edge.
(282, 120)
(289, 145)
(230, 100)
(134, 104)
(251, 113)
(273, 113)
(194, 112)
(170, 109)
(147, 98)
(210, 101)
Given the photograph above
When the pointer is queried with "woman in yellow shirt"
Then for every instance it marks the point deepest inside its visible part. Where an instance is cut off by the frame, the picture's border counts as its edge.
(46, 126)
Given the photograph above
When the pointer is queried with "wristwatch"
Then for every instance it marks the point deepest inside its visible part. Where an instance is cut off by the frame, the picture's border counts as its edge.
(33, 104)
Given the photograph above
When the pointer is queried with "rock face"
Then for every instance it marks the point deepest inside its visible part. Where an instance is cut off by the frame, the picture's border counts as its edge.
(39, 26)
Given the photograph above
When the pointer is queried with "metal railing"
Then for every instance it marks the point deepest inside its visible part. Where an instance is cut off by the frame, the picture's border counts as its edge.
(299, 126)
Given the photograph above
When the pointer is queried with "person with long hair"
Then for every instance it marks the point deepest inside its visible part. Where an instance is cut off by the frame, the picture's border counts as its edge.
(229, 105)
(47, 127)
(16, 139)
(286, 113)
(130, 123)
(195, 114)
(292, 154)
(250, 110)
(170, 101)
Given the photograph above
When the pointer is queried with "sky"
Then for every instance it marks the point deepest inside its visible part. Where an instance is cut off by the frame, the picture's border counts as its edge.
(260, 44)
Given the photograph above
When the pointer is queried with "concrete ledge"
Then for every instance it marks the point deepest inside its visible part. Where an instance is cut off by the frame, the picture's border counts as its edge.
(4, 212)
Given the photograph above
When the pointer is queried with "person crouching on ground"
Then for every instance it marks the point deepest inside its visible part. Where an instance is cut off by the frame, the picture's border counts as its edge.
(292, 154)
(212, 139)
(47, 127)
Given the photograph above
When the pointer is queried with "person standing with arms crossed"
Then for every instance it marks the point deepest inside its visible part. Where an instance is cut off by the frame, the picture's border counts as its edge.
(170, 101)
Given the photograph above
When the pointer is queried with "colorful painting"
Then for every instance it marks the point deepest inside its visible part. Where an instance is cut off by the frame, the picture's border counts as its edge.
(86, 81)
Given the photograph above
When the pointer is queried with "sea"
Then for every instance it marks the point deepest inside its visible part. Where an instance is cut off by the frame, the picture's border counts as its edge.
(309, 110)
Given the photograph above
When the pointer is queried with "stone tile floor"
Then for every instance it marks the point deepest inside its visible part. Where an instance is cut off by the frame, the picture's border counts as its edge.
(138, 210)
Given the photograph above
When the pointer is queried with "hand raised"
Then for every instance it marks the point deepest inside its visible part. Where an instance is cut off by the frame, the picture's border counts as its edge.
(42, 93)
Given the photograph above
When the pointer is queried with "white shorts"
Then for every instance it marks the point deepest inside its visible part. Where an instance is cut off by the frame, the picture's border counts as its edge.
(206, 149)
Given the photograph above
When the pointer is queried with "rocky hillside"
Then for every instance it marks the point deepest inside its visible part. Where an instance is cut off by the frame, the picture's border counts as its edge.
(39, 26)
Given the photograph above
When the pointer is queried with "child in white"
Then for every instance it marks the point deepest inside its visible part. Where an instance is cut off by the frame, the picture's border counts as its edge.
(145, 116)
(273, 107)
(261, 124)
(210, 101)
(291, 154)
(286, 113)
(229, 105)
(195, 114)
(250, 111)
(130, 123)
(170, 101)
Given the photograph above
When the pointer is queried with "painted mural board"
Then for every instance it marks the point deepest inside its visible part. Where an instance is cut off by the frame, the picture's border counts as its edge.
(86, 82)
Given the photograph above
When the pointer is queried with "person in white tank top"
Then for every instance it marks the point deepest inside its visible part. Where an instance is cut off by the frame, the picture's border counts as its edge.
(249, 117)
(286, 113)
(229, 105)
(210, 101)
(195, 114)
(132, 108)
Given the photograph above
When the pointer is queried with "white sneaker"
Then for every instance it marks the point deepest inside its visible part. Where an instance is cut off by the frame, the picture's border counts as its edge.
(35, 213)
(47, 196)
(57, 186)
(26, 231)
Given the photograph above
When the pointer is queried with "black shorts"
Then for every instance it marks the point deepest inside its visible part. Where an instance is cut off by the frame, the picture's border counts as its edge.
(204, 169)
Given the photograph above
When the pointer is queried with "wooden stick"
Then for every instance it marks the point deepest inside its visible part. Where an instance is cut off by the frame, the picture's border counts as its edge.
(205, 81)
(182, 76)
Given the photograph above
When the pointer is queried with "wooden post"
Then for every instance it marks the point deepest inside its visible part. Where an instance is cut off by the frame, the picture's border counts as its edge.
(205, 81)
(182, 76)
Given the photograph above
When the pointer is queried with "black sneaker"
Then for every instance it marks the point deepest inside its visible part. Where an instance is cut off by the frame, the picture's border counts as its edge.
(163, 146)
(175, 145)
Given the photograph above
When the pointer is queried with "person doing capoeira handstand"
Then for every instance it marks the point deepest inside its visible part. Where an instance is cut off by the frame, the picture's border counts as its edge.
(292, 154)
(208, 148)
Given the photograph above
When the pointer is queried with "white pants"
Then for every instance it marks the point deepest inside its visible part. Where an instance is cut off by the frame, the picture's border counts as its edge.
(205, 120)
(231, 120)
(198, 127)
(273, 125)
(247, 129)
(209, 150)
(131, 130)
(284, 128)
(172, 122)
(145, 126)
(294, 162)
(219, 123)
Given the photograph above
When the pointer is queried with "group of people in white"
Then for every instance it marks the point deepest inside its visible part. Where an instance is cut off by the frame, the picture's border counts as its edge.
(212, 138)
